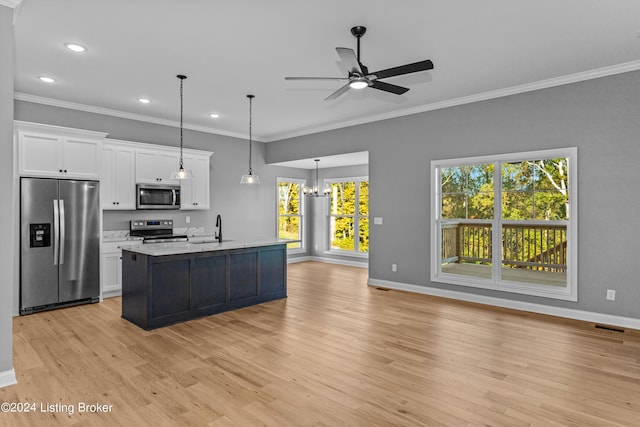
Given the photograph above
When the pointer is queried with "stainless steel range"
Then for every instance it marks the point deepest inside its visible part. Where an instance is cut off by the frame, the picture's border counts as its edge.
(155, 231)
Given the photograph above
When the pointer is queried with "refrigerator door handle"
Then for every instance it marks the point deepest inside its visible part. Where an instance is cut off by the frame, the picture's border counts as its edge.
(56, 231)
(62, 231)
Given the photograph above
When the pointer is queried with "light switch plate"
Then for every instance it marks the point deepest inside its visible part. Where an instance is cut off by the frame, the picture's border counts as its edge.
(377, 220)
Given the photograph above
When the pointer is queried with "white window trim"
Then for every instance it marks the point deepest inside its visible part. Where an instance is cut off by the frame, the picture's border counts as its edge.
(302, 183)
(341, 252)
(570, 292)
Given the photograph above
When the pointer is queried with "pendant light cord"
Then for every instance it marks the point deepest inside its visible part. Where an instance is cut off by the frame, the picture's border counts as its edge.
(250, 135)
(181, 77)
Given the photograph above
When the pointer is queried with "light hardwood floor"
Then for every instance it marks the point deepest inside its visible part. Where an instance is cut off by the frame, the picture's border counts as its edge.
(336, 352)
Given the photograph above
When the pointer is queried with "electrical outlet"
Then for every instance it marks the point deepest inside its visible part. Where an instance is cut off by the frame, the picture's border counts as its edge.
(316, 247)
(611, 294)
(394, 267)
(187, 219)
(377, 220)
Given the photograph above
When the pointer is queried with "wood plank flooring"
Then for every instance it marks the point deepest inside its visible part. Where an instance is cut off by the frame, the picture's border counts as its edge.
(336, 352)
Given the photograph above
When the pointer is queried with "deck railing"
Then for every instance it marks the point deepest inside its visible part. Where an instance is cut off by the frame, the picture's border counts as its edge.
(531, 247)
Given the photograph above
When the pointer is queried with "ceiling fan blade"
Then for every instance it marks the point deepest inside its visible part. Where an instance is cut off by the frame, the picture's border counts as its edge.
(387, 87)
(349, 60)
(317, 78)
(337, 93)
(405, 69)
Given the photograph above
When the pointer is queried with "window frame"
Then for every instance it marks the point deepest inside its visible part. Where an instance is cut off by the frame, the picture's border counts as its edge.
(301, 216)
(343, 252)
(570, 291)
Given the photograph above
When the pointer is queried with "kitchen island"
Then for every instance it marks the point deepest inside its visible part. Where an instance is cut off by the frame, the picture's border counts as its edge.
(168, 283)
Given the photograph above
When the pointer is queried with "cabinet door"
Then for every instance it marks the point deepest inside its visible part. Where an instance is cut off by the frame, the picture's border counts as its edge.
(273, 270)
(146, 167)
(111, 273)
(39, 154)
(124, 179)
(171, 290)
(195, 191)
(167, 163)
(80, 158)
(155, 167)
(187, 196)
(208, 282)
(107, 187)
(201, 182)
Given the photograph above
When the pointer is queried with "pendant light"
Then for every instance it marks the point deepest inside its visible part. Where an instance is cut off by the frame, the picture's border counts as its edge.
(250, 178)
(315, 190)
(181, 173)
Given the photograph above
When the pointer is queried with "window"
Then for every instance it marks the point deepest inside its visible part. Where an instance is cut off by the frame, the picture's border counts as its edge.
(507, 222)
(291, 212)
(349, 216)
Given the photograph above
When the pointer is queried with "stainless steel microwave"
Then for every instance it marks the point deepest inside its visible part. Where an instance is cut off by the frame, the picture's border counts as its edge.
(162, 196)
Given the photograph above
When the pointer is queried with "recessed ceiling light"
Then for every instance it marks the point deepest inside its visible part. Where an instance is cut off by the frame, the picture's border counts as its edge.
(214, 115)
(75, 47)
(46, 79)
(144, 100)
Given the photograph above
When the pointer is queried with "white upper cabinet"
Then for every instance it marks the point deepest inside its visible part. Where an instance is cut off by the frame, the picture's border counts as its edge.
(53, 151)
(195, 192)
(117, 190)
(155, 166)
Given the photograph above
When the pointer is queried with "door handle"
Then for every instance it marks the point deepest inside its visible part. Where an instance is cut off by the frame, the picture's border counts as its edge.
(174, 197)
(56, 231)
(62, 231)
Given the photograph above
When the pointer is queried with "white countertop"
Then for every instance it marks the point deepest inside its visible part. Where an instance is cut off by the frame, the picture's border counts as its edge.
(176, 248)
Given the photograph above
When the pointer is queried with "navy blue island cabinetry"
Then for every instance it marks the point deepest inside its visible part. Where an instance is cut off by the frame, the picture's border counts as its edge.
(175, 282)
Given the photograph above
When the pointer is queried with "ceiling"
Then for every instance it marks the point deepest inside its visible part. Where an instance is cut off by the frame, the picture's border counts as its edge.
(229, 49)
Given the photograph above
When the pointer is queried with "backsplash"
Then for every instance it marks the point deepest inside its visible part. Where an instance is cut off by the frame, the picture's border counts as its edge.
(114, 235)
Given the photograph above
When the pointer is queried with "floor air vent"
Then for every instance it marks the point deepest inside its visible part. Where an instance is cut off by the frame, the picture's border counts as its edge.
(609, 328)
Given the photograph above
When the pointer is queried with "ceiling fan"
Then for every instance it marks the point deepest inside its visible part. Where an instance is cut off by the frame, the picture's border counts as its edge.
(359, 77)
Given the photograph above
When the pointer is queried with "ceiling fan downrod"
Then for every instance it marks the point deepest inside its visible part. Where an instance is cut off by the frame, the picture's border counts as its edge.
(358, 32)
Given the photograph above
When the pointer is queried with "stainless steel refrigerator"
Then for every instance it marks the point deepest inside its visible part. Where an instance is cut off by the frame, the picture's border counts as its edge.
(59, 243)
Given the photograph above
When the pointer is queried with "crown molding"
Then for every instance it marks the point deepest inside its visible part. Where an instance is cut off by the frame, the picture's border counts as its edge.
(514, 90)
(10, 3)
(20, 96)
(528, 87)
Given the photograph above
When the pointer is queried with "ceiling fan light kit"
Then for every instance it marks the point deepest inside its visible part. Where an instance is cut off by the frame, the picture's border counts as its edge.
(358, 76)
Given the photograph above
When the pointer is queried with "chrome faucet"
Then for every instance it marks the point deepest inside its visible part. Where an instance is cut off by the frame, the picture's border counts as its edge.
(218, 234)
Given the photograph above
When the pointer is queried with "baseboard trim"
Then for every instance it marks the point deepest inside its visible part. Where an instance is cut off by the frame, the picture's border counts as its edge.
(329, 261)
(588, 316)
(8, 378)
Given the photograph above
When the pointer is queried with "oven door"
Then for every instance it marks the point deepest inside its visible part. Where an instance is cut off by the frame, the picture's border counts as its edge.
(157, 197)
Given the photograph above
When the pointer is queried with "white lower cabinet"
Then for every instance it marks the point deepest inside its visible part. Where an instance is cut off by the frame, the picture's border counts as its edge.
(111, 280)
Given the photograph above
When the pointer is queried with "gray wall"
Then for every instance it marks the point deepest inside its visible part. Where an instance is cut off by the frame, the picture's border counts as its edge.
(600, 117)
(8, 209)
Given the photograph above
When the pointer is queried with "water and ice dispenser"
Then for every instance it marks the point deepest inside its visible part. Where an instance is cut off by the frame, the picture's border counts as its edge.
(39, 235)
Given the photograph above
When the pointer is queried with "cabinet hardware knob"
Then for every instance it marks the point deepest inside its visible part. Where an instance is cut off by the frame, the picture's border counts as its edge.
(65, 171)
(113, 203)
(60, 170)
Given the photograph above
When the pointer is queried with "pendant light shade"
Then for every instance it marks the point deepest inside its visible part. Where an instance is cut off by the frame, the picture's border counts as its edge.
(315, 190)
(250, 178)
(181, 173)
